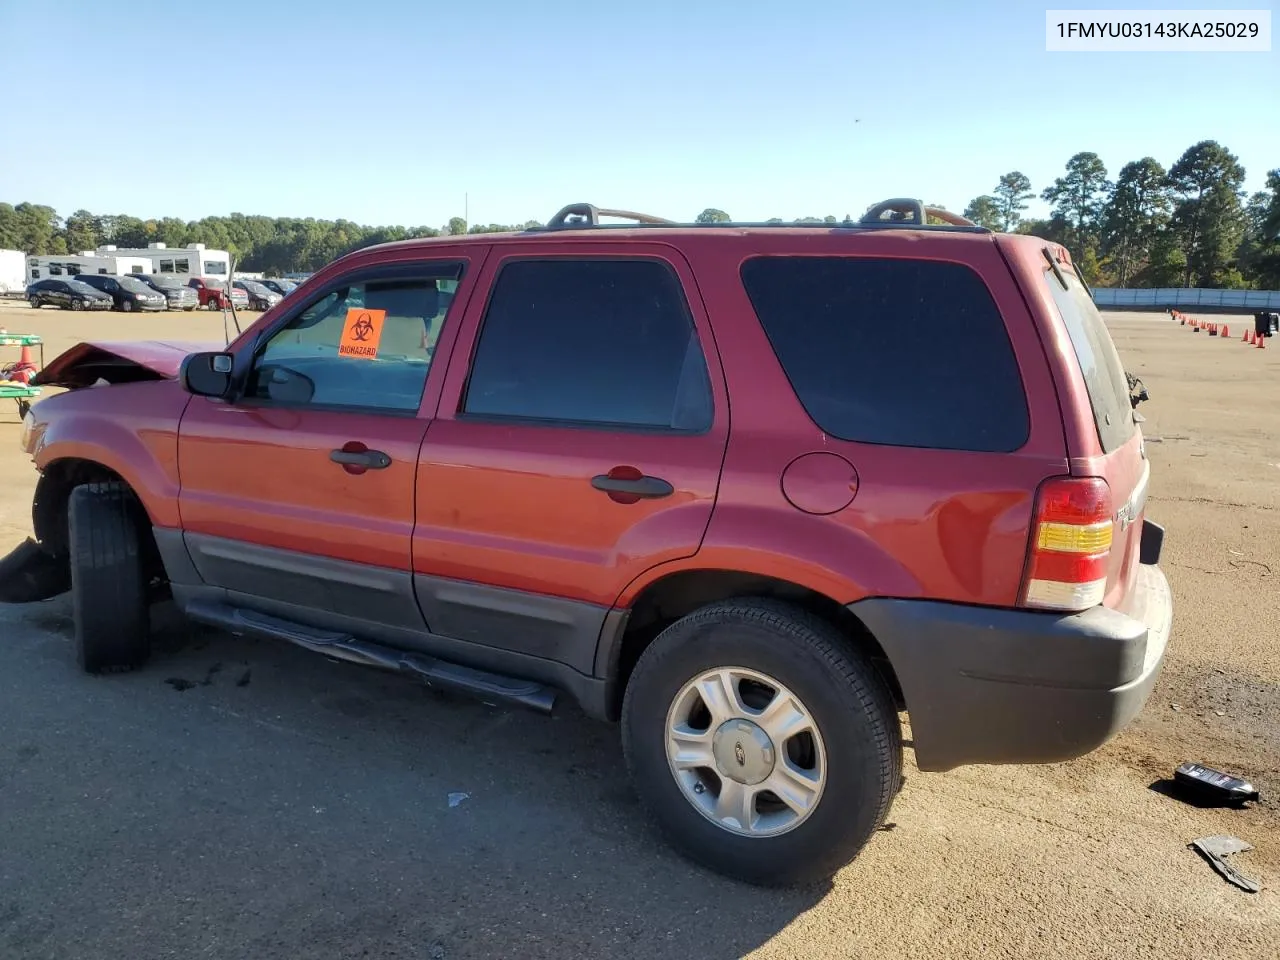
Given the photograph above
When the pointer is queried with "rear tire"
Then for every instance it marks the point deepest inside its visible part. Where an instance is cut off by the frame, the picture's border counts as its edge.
(850, 770)
(126, 306)
(108, 585)
(35, 303)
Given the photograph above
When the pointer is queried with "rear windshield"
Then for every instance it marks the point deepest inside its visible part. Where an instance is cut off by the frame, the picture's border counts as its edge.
(910, 353)
(1104, 375)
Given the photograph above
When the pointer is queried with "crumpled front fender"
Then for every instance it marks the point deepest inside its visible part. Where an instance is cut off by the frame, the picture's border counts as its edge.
(30, 573)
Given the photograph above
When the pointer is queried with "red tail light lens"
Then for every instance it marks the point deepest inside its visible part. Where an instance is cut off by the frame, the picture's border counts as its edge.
(1070, 545)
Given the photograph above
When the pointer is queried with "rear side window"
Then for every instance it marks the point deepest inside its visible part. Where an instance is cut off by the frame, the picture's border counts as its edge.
(909, 353)
(1100, 364)
(590, 342)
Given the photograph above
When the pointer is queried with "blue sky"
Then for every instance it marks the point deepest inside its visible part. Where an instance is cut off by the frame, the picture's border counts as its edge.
(389, 111)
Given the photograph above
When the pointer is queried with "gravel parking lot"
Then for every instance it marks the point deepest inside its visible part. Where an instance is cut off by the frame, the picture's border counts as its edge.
(242, 799)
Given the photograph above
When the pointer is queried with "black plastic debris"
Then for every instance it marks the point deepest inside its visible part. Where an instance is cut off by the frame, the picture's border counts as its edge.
(1216, 850)
(1213, 786)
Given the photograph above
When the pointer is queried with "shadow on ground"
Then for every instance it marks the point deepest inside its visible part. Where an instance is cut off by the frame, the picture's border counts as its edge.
(250, 799)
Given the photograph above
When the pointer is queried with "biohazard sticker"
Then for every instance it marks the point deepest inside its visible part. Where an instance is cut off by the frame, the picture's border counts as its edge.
(361, 333)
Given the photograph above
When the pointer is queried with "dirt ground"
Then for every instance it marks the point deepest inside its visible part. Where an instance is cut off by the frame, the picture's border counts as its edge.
(305, 814)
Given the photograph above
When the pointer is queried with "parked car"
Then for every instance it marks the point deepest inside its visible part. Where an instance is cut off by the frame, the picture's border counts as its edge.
(213, 294)
(951, 524)
(177, 293)
(280, 286)
(127, 293)
(67, 294)
(260, 297)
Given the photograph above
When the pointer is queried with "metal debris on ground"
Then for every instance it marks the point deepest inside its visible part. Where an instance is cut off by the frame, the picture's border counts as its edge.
(457, 798)
(1209, 785)
(1216, 850)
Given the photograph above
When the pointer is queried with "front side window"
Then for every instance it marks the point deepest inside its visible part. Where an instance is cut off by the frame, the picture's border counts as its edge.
(590, 342)
(368, 345)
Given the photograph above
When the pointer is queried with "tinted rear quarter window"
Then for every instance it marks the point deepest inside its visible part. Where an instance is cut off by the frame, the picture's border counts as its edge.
(910, 353)
(590, 342)
(1100, 364)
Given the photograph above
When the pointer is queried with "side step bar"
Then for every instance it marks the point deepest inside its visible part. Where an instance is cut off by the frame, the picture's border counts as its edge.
(343, 646)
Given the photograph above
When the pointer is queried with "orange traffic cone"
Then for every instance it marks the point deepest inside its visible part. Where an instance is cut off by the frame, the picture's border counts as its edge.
(1245, 338)
(1262, 341)
(1226, 330)
(1213, 329)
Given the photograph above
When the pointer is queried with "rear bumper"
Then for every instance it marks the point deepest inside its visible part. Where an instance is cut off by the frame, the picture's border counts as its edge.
(988, 685)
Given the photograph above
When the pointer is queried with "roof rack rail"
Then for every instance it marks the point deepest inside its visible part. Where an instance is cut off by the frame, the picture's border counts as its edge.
(910, 213)
(585, 214)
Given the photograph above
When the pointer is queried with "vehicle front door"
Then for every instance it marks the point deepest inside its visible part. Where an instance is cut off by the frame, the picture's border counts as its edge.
(298, 495)
(578, 443)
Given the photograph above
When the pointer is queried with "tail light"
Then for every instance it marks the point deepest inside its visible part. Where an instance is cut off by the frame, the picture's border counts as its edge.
(1070, 545)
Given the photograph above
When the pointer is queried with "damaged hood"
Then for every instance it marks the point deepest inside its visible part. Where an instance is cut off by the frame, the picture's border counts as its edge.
(119, 362)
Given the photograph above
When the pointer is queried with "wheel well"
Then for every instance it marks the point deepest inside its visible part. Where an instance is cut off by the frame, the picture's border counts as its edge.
(667, 600)
(53, 494)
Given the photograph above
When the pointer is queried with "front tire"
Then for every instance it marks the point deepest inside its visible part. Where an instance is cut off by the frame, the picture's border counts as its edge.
(35, 303)
(762, 741)
(126, 306)
(108, 584)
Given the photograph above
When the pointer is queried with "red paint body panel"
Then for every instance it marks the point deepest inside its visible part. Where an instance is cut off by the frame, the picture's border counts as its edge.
(1125, 468)
(163, 357)
(511, 504)
(241, 464)
(131, 429)
(924, 523)
(264, 476)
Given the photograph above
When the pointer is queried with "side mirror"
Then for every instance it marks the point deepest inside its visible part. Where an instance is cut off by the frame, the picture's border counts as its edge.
(206, 374)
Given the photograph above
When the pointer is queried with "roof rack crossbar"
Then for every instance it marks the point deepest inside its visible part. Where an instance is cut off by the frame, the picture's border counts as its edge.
(586, 214)
(911, 212)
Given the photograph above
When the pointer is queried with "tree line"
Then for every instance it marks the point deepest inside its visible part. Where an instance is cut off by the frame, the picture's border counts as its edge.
(1190, 225)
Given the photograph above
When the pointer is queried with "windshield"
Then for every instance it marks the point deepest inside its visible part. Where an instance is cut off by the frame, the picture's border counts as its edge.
(134, 284)
(255, 287)
(214, 284)
(169, 283)
(79, 286)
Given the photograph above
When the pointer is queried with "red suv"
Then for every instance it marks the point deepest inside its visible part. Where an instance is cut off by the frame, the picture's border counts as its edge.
(751, 490)
(213, 294)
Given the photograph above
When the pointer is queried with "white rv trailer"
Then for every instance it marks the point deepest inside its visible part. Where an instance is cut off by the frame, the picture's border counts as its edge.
(193, 260)
(74, 264)
(12, 272)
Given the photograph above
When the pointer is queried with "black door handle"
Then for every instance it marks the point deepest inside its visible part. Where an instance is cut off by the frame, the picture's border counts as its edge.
(645, 487)
(368, 459)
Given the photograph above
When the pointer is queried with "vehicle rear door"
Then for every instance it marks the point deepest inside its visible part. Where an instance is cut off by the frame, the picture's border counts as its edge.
(578, 443)
(298, 496)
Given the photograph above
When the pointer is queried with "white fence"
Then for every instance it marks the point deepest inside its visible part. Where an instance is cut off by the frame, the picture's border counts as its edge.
(1187, 298)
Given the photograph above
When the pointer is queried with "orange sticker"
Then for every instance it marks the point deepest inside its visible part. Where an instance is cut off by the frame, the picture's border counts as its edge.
(361, 332)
